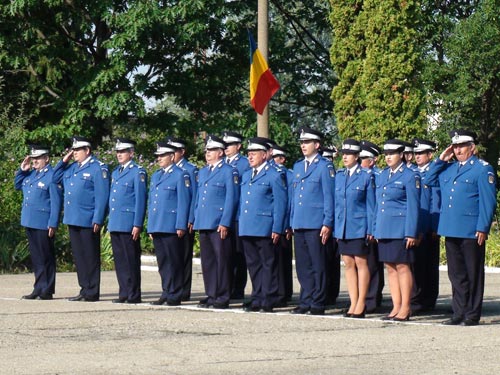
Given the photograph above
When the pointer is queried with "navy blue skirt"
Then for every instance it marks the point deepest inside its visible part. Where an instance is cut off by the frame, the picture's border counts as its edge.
(355, 246)
(395, 251)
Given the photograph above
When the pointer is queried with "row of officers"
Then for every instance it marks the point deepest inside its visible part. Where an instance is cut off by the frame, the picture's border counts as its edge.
(248, 210)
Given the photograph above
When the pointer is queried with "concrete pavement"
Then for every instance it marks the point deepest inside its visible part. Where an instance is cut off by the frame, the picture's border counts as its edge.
(61, 337)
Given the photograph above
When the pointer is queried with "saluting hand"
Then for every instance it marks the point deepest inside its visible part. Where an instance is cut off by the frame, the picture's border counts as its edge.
(68, 156)
(26, 164)
(447, 154)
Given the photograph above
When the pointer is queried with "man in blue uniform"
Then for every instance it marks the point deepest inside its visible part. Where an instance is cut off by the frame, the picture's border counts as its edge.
(86, 193)
(215, 208)
(263, 207)
(468, 200)
(127, 208)
(40, 217)
(426, 265)
(312, 221)
(369, 155)
(181, 161)
(233, 142)
(168, 214)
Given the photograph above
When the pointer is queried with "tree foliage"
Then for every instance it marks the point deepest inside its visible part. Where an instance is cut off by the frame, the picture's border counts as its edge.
(376, 53)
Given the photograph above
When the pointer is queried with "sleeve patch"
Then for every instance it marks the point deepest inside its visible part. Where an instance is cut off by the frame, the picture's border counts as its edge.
(104, 174)
(491, 178)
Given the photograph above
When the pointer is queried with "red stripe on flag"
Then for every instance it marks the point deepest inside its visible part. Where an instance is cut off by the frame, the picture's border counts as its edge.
(266, 88)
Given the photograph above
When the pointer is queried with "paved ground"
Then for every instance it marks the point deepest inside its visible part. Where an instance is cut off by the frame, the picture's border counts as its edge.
(61, 337)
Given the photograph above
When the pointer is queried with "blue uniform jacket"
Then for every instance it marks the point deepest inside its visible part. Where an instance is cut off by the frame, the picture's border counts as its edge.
(313, 192)
(397, 204)
(192, 170)
(240, 162)
(217, 197)
(354, 203)
(168, 206)
(41, 198)
(263, 203)
(127, 198)
(86, 192)
(468, 196)
(430, 203)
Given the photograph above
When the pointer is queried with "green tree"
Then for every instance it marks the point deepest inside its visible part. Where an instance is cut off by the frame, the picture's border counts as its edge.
(376, 53)
(465, 75)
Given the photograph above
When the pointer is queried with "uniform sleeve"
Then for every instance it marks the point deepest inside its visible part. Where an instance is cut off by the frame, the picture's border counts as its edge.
(232, 197)
(140, 191)
(19, 178)
(280, 202)
(370, 203)
(56, 198)
(194, 190)
(487, 198)
(328, 185)
(101, 191)
(435, 169)
(183, 202)
(412, 205)
(59, 171)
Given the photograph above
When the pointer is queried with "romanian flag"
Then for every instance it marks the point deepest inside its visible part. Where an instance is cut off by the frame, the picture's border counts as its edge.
(263, 85)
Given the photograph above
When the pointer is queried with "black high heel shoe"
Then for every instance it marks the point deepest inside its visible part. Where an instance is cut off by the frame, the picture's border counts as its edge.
(359, 316)
(405, 319)
(345, 313)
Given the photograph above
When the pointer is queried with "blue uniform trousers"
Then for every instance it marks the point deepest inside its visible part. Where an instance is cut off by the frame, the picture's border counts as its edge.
(127, 255)
(262, 261)
(310, 258)
(169, 250)
(216, 266)
(466, 272)
(285, 270)
(43, 260)
(239, 265)
(332, 271)
(86, 247)
(376, 268)
(188, 243)
(426, 274)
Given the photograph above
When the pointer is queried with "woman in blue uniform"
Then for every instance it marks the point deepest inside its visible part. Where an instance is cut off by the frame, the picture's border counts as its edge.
(354, 204)
(396, 225)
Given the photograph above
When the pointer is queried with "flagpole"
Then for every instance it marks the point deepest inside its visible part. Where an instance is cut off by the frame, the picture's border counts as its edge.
(262, 40)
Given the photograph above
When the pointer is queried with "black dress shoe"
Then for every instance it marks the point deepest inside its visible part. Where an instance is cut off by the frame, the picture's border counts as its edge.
(469, 323)
(90, 299)
(171, 302)
(160, 301)
(237, 295)
(360, 316)
(251, 308)
(185, 298)
(281, 304)
(300, 310)
(204, 303)
(388, 317)
(134, 301)
(45, 297)
(119, 300)
(33, 295)
(452, 322)
(316, 311)
(266, 309)
(220, 305)
(77, 298)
